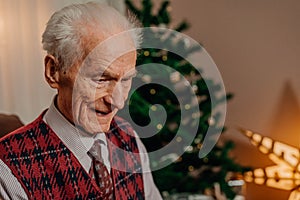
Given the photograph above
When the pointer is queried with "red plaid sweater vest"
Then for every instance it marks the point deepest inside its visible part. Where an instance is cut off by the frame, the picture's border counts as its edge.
(47, 169)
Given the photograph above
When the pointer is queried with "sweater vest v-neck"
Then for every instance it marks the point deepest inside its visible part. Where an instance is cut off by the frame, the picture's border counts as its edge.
(47, 169)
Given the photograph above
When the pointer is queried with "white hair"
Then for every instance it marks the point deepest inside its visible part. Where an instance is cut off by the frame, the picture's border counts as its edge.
(69, 30)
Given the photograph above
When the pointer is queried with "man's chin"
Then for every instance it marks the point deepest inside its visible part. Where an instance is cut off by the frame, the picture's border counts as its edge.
(95, 127)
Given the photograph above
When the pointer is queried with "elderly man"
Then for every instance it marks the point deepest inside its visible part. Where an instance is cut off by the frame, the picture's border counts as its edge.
(78, 148)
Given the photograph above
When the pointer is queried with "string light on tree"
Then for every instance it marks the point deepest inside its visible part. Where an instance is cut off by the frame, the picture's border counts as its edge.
(179, 139)
(159, 126)
(146, 78)
(175, 77)
(164, 58)
(153, 91)
(146, 53)
(153, 108)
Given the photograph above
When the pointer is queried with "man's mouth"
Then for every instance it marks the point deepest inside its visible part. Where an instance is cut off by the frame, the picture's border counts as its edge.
(102, 112)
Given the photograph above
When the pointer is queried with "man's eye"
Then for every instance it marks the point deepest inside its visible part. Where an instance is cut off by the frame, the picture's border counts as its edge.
(126, 79)
(101, 80)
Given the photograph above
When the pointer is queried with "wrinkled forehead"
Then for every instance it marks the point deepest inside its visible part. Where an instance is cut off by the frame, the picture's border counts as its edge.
(118, 47)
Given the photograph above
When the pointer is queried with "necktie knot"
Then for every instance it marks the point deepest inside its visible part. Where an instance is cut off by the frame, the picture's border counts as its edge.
(95, 150)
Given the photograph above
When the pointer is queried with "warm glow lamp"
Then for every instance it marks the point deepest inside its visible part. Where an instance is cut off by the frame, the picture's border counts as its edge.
(285, 174)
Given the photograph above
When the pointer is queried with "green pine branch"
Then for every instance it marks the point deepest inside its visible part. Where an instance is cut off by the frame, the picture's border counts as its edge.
(189, 173)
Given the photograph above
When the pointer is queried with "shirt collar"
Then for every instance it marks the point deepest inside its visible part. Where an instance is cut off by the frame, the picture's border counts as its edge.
(78, 141)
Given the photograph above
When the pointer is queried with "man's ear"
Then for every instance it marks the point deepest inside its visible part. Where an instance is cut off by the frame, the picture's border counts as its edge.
(51, 71)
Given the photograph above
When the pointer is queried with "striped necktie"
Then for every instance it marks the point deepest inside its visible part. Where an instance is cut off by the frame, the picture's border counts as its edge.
(99, 171)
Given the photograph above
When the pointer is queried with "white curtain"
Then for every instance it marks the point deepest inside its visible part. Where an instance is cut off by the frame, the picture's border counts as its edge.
(23, 90)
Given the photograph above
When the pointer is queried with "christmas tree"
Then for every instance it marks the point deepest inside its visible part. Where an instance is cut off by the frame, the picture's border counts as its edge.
(190, 172)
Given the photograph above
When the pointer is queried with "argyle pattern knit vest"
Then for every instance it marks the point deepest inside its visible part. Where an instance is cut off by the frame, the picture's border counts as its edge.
(47, 169)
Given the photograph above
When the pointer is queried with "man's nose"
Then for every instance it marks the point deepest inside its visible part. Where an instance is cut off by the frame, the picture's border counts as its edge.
(116, 97)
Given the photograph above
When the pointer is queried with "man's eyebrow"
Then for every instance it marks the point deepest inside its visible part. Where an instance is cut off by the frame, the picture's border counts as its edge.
(131, 73)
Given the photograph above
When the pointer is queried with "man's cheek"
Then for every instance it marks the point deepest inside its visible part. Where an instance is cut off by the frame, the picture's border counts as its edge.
(126, 92)
(85, 91)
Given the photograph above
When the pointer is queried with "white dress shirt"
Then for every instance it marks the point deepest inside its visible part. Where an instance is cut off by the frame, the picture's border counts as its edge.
(79, 143)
